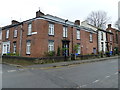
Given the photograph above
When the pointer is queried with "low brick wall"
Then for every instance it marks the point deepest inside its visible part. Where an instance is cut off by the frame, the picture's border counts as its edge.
(56, 58)
(35, 60)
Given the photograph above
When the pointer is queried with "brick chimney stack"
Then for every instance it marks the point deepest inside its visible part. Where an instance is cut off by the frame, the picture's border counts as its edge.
(77, 22)
(39, 13)
(14, 22)
(109, 25)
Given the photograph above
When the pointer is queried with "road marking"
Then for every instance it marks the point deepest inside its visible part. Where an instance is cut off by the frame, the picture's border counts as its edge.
(1, 72)
(21, 69)
(113, 61)
(11, 70)
(107, 76)
(96, 81)
(61, 77)
(116, 73)
(83, 86)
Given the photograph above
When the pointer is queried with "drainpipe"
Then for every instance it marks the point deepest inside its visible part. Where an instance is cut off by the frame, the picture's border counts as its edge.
(107, 42)
(97, 43)
(72, 40)
(20, 46)
(65, 39)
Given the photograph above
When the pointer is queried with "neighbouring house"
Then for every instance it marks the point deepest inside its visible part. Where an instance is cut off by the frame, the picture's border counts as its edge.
(101, 36)
(0, 41)
(119, 41)
(38, 36)
(114, 40)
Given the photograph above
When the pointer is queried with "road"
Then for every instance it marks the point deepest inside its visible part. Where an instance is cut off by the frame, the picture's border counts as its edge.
(103, 74)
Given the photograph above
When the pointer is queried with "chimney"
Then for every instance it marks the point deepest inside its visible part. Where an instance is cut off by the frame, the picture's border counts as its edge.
(77, 22)
(39, 13)
(109, 25)
(14, 22)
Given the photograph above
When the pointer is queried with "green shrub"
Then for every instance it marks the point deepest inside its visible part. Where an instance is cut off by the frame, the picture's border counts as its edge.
(101, 53)
(58, 51)
(50, 53)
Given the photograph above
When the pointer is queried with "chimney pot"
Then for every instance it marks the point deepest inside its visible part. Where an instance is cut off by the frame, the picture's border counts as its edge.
(77, 22)
(39, 13)
(109, 25)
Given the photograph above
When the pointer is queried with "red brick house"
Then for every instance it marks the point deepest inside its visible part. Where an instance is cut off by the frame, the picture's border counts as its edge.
(45, 33)
(114, 40)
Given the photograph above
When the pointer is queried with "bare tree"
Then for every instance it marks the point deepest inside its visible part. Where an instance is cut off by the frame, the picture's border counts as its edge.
(117, 24)
(98, 19)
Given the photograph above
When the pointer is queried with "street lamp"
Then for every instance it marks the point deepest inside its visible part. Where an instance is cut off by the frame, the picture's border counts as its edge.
(65, 40)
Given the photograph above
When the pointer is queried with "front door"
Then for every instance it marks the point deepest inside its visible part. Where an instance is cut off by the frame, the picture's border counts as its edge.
(65, 48)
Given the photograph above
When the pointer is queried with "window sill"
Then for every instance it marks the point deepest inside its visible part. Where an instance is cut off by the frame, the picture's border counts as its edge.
(65, 37)
(29, 35)
(51, 35)
(14, 37)
(27, 53)
(91, 41)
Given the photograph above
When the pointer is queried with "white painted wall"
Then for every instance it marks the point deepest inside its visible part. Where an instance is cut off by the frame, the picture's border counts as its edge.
(100, 41)
(85, 24)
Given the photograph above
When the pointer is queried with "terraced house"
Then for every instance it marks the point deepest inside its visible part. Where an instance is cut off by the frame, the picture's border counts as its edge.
(114, 40)
(102, 37)
(46, 33)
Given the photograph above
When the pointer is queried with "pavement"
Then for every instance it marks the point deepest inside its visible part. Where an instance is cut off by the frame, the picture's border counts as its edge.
(66, 63)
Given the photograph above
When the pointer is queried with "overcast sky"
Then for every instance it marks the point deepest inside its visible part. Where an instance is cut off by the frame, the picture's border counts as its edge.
(72, 10)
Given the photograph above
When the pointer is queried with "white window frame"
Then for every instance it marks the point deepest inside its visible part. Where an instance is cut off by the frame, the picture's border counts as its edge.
(14, 47)
(15, 33)
(79, 49)
(28, 47)
(111, 38)
(78, 34)
(110, 47)
(6, 47)
(7, 34)
(50, 46)
(29, 29)
(65, 31)
(51, 29)
(91, 37)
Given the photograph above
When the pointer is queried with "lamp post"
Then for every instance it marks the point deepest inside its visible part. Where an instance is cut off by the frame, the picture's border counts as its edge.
(65, 41)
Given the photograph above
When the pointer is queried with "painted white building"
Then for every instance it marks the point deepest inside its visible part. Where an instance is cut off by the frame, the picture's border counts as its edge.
(101, 36)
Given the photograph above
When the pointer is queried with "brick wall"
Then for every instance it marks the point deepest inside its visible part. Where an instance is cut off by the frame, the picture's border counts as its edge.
(115, 39)
(39, 41)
